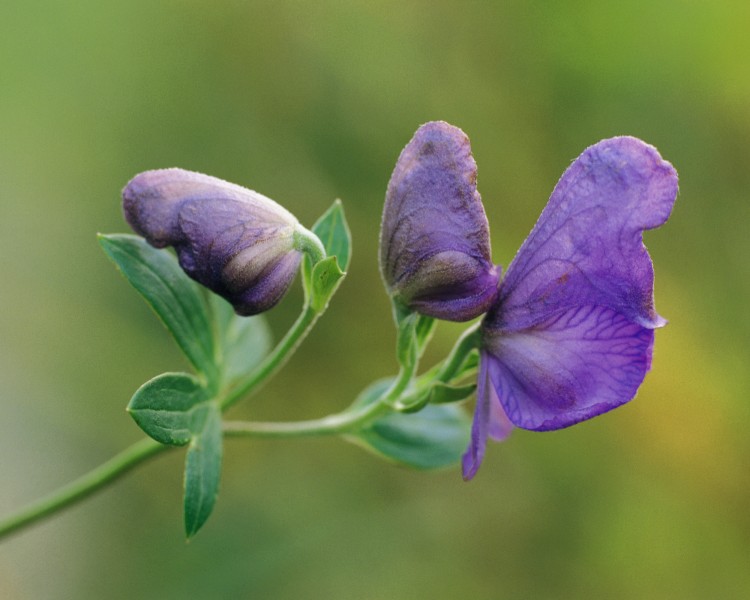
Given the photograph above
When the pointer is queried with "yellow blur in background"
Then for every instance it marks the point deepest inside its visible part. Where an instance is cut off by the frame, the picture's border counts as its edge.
(306, 102)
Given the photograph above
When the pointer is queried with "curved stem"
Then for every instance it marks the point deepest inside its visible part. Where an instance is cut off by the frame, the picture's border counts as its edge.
(276, 359)
(343, 422)
(468, 341)
(84, 486)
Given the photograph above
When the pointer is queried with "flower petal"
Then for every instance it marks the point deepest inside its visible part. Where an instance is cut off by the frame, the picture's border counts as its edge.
(587, 248)
(236, 242)
(489, 420)
(577, 364)
(434, 240)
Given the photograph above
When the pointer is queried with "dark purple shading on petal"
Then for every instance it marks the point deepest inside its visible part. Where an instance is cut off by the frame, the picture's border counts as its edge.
(578, 364)
(434, 239)
(571, 334)
(234, 241)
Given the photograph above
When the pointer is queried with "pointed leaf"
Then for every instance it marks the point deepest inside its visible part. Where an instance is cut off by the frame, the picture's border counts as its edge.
(326, 277)
(442, 393)
(333, 231)
(163, 407)
(321, 280)
(176, 299)
(202, 467)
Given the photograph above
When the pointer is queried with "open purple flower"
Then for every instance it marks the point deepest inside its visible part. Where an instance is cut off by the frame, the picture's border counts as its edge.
(572, 331)
(236, 242)
(434, 238)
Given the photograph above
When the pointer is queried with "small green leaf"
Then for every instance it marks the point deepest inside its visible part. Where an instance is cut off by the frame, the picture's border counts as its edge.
(442, 393)
(243, 342)
(175, 409)
(321, 280)
(424, 330)
(163, 407)
(333, 231)
(406, 341)
(437, 393)
(432, 438)
(202, 467)
(414, 332)
(176, 299)
(325, 279)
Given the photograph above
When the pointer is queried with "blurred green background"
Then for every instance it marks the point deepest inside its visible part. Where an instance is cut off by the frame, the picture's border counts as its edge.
(305, 102)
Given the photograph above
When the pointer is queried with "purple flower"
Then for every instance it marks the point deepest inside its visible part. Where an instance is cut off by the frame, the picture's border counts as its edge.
(572, 331)
(236, 242)
(434, 238)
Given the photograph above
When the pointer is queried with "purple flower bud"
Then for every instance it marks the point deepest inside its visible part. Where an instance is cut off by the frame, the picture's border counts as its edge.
(236, 242)
(434, 239)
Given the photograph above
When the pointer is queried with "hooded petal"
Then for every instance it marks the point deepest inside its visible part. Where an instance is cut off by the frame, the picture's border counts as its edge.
(434, 239)
(234, 241)
(572, 332)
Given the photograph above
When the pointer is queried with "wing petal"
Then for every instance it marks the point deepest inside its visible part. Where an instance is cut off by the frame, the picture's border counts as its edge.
(587, 246)
(577, 364)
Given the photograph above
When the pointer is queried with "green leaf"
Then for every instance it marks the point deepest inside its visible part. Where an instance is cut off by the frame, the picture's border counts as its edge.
(433, 438)
(414, 332)
(325, 279)
(436, 393)
(175, 409)
(163, 407)
(243, 342)
(406, 340)
(177, 300)
(442, 393)
(333, 231)
(202, 467)
(321, 280)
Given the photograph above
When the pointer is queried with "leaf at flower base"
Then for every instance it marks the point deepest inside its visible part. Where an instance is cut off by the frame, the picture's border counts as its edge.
(333, 231)
(433, 438)
(243, 342)
(414, 332)
(202, 467)
(442, 393)
(322, 279)
(163, 407)
(176, 299)
(326, 277)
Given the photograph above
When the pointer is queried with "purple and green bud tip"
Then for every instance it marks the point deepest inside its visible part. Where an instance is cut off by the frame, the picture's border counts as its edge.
(238, 243)
(434, 239)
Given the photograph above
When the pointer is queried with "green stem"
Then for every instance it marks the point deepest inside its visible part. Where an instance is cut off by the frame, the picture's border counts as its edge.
(309, 243)
(276, 359)
(468, 341)
(84, 486)
(343, 422)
